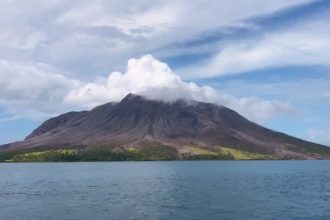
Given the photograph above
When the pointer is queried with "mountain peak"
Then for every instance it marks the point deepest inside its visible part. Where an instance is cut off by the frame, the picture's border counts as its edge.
(137, 120)
(132, 97)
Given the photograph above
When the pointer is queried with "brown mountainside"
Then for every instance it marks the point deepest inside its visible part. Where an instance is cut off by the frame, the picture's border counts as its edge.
(136, 121)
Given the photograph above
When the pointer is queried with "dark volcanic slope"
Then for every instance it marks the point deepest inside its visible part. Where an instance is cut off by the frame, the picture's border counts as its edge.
(136, 120)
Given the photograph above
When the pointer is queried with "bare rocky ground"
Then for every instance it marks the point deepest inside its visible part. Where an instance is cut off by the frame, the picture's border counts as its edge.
(184, 125)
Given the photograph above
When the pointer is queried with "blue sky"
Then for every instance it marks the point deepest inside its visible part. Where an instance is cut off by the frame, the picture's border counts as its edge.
(268, 60)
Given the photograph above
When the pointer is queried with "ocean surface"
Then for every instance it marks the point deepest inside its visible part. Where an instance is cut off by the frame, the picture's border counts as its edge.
(166, 190)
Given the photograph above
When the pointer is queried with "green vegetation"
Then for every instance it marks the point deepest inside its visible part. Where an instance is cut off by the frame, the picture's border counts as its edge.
(244, 155)
(151, 152)
(223, 153)
(195, 153)
(200, 151)
(93, 154)
(43, 156)
(5, 157)
(145, 153)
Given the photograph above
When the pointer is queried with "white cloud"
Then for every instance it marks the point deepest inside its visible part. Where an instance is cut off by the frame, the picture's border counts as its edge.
(32, 90)
(33, 40)
(145, 76)
(154, 79)
(136, 22)
(90, 38)
(306, 43)
(177, 18)
(67, 34)
(38, 91)
(255, 108)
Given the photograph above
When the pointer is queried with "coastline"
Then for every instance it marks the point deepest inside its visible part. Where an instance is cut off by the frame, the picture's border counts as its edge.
(147, 153)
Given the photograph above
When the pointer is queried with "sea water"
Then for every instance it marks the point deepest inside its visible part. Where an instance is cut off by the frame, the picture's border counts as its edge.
(166, 190)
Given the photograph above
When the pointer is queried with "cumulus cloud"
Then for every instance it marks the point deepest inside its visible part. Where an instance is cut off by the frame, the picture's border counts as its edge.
(149, 77)
(38, 91)
(90, 38)
(145, 76)
(32, 90)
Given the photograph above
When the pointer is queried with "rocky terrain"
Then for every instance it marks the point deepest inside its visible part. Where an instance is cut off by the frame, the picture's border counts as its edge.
(190, 128)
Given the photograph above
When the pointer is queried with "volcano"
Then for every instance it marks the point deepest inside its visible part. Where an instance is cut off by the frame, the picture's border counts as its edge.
(182, 125)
